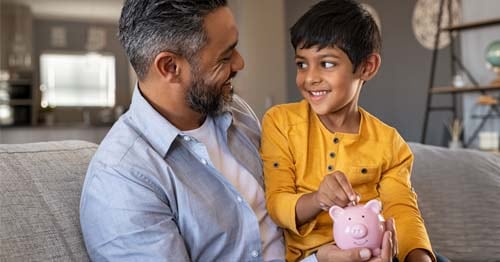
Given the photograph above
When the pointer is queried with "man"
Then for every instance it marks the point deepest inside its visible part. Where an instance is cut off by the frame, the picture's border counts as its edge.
(179, 177)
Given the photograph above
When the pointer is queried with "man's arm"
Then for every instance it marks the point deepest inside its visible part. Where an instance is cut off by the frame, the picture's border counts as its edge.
(125, 219)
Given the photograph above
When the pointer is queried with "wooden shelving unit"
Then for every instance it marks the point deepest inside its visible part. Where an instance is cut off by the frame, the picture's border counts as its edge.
(477, 24)
(463, 89)
(456, 62)
(20, 100)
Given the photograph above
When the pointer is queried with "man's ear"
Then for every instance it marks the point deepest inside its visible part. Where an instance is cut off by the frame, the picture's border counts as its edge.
(168, 66)
(370, 66)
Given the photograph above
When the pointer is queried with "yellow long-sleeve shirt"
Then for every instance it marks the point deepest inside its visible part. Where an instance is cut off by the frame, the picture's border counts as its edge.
(298, 151)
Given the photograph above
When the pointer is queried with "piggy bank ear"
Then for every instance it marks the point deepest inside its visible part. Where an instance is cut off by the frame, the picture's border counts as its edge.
(336, 211)
(374, 205)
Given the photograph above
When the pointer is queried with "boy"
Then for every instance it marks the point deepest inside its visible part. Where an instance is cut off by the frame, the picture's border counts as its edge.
(325, 150)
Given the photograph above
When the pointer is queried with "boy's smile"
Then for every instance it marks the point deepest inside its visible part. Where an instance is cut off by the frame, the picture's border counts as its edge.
(317, 95)
(326, 80)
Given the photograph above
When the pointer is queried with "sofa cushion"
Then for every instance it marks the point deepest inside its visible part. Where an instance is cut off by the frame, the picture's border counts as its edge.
(40, 186)
(459, 197)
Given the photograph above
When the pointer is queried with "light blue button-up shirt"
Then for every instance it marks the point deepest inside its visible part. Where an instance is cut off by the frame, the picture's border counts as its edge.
(148, 197)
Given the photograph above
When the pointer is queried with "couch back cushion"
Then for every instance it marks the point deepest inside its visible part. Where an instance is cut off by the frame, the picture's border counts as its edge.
(459, 197)
(40, 186)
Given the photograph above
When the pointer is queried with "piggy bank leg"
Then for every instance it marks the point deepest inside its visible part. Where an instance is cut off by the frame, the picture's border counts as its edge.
(376, 252)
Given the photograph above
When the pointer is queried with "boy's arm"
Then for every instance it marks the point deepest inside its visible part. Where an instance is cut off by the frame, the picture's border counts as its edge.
(400, 201)
(307, 208)
(279, 173)
(419, 255)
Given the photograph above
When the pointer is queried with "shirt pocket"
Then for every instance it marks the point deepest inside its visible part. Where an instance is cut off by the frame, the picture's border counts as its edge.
(363, 175)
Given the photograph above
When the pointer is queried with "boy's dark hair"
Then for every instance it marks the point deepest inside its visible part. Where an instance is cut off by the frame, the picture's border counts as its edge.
(338, 23)
(148, 27)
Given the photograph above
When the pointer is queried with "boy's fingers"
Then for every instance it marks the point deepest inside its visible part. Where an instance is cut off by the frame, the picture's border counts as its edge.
(343, 182)
(335, 193)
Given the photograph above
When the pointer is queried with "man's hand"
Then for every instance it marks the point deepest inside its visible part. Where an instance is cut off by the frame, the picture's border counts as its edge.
(330, 252)
(335, 189)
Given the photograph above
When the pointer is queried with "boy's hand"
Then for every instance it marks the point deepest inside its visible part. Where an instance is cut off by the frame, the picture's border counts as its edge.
(335, 189)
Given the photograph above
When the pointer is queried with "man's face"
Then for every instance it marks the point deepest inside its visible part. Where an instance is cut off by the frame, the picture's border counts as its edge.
(326, 80)
(217, 63)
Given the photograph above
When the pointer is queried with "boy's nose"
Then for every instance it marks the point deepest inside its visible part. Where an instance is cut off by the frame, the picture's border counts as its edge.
(313, 78)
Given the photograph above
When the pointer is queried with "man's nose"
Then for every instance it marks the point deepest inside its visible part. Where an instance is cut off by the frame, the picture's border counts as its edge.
(237, 62)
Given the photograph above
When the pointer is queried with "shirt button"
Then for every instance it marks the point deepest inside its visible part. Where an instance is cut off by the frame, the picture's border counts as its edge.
(336, 140)
(186, 138)
(203, 161)
(239, 199)
(255, 253)
(332, 155)
(364, 170)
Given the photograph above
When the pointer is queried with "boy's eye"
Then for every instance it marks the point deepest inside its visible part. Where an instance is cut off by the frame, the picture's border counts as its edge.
(301, 65)
(327, 64)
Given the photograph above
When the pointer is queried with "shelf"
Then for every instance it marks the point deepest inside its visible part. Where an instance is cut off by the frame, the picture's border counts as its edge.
(17, 81)
(471, 25)
(465, 89)
(20, 102)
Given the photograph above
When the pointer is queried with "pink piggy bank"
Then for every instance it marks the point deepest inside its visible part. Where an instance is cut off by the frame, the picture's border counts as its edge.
(359, 226)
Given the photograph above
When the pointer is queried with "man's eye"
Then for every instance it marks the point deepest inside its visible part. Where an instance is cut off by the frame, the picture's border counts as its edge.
(301, 65)
(328, 64)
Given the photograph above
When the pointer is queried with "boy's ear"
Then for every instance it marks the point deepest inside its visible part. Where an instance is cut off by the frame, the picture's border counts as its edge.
(370, 66)
(168, 66)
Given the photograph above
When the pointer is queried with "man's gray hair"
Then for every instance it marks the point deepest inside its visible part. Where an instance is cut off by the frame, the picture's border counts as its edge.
(148, 27)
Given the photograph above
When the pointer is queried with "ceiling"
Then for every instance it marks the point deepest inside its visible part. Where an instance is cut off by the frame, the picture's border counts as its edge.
(100, 10)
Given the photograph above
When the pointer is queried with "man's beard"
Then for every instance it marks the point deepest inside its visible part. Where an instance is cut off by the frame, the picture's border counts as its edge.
(207, 99)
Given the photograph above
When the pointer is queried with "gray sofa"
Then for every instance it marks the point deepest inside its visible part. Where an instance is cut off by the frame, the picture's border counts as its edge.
(40, 185)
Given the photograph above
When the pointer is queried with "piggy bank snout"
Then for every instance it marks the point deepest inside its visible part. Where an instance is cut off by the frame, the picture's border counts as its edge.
(358, 231)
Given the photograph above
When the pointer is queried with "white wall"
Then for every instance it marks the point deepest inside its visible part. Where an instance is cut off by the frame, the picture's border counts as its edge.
(262, 43)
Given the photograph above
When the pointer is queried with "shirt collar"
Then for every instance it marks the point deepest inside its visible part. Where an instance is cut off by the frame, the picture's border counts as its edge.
(158, 131)
(349, 136)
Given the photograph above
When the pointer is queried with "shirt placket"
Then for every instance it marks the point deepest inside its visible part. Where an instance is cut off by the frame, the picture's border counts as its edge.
(332, 152)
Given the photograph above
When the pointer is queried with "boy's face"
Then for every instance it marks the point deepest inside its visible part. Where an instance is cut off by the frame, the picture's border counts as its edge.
(326, 80)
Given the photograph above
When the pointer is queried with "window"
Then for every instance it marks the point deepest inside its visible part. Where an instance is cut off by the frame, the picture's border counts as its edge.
(77, 80)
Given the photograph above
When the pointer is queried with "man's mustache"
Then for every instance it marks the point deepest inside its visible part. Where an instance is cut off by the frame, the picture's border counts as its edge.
(232, 75)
